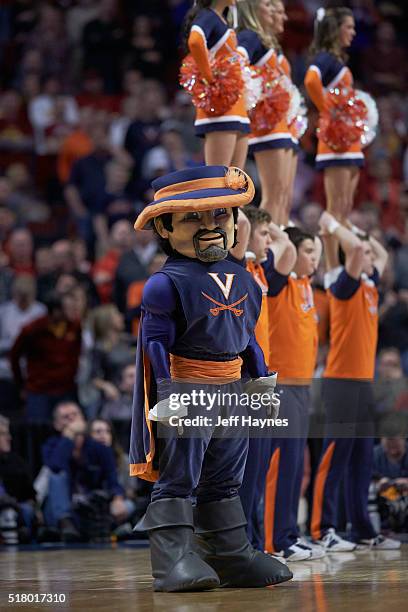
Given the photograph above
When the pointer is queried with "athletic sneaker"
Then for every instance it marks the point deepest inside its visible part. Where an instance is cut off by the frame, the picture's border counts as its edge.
(318, 551)
(293, 553)
(379, 543)
(333, 543)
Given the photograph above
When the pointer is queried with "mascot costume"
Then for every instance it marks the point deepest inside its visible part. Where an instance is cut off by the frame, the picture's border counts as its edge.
(197, 330)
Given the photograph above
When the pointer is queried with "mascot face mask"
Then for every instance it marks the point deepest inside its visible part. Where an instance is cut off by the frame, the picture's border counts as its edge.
(204, 235)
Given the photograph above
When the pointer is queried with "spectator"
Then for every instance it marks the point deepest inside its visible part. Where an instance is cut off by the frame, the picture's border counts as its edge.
(81, 468)
(390, 381)
(63, 262)
(119, 411)
(50, 109)
(23, 197)
(20, 249)
(112, 350)
(131, 272)
(17, 494)
(390, 473)
(144, 133)
(15, 130)
(393, 329)
(101, 430)
(171, 152)
(86, 184)
(145, 49)
(121, 240)
(129, 111)
(114, 203)
(14, 315)
(103, 44)
(51, 346)
(50, 39)
(76, 145)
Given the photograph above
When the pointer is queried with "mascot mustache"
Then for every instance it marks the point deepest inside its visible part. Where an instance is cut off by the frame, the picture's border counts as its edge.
(214, 252)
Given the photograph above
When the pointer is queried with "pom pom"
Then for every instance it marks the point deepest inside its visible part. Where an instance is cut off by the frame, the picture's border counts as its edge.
(235, 179)
(274, 103)
(342, 121)
(252, 85)
(296, 117)
(371, 125)
(217, 97)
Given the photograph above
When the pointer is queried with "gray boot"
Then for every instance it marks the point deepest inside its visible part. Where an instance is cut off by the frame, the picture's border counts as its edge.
(175, 565)
(223, 543)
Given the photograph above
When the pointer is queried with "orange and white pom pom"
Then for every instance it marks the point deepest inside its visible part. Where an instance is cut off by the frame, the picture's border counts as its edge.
(274, 103)
(342, 122)
(371, 124)
(215, 98)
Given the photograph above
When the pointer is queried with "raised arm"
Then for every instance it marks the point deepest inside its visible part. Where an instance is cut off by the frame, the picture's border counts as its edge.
(243, 234)
(284, 250)
(350, 243)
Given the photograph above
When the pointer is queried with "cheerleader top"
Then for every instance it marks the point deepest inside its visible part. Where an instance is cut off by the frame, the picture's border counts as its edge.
(251, 46)
(325, 72)
(210, 36)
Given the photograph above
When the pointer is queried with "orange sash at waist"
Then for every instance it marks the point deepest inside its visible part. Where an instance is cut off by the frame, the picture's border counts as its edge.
(183, 369)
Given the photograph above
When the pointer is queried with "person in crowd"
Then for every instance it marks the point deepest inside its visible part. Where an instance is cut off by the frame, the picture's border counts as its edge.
(64, 262)
(102, 430)
(390, 473)
(390, 382)
(20, 249)
(121, 240)
(119, 411)
(17, 494)
(14, 315)
(112, 350)
(79, 467)
(51, 346)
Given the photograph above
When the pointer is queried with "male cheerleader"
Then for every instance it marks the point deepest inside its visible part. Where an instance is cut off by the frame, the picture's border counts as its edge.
(347, 396)
(266, 242)
(292, 353)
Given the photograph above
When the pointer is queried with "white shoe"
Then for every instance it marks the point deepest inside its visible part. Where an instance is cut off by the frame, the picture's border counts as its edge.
(317, 550)
(294, 553)
(333, 543)
(379, 543)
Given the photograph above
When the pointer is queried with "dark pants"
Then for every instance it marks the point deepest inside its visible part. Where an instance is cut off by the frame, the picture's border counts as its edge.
(208, 462)
(347, 455)
(274, 472)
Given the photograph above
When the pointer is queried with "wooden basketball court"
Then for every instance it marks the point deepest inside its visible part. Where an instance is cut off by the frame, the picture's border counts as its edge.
(117, 579)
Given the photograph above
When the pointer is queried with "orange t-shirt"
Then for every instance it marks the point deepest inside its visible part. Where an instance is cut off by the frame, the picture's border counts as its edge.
(262, 326)
(353, 333)
(293, 338)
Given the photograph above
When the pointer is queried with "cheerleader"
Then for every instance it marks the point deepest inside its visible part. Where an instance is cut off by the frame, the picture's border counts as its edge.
(334, 32)
(209, 38)
(260, 22)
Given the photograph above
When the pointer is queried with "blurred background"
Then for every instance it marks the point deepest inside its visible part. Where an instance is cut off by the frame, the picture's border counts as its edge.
(90, 113)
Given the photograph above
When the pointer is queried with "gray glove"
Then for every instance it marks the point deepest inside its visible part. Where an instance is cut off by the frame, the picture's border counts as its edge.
(265, 385)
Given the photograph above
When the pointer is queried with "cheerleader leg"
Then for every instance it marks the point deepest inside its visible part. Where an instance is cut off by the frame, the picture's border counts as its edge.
(273, 168)
(219, 148)
(338, 188)
(289, 190)
(241, 151)
(355, 177)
